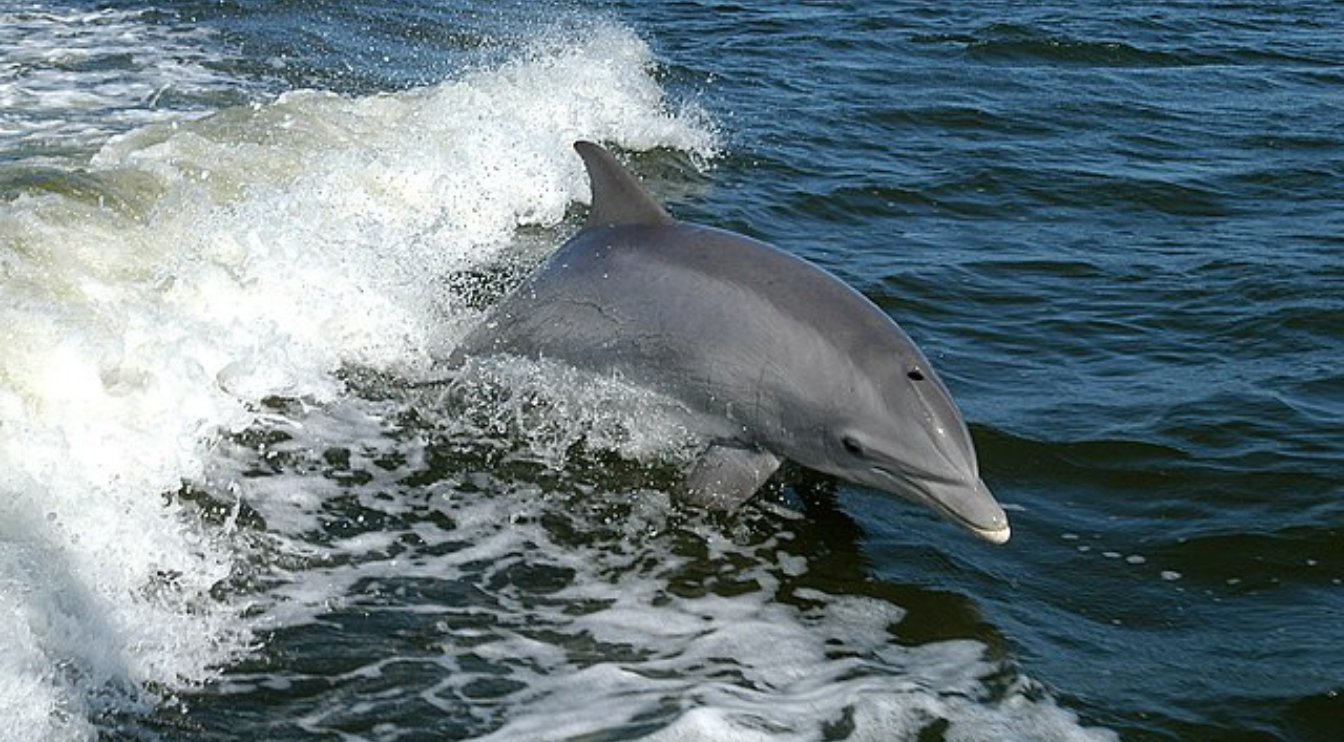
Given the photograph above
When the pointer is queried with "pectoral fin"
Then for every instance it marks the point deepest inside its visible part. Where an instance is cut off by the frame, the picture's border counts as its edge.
(725, 476)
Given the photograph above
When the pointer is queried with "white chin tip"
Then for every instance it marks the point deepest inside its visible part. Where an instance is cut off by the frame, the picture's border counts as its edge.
(998, 536)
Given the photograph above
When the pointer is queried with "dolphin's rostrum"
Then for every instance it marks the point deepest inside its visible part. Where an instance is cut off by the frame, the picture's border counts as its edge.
(777, 358)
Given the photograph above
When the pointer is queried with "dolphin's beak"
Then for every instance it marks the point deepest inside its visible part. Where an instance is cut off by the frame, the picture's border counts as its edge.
(968, 504)
(972, 506)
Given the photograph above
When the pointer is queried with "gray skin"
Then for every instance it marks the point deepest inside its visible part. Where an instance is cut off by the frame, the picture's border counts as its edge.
(776, 358)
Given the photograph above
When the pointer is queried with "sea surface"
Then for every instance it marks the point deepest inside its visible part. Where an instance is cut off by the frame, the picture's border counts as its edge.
(240, 498)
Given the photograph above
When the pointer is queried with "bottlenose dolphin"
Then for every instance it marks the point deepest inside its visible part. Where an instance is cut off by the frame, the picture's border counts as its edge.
(776, 358)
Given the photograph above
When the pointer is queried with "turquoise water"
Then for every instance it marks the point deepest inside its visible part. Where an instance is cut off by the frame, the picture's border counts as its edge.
(235, 239)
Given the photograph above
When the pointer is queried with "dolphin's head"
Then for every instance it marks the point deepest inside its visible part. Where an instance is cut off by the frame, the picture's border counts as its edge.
(901, 432)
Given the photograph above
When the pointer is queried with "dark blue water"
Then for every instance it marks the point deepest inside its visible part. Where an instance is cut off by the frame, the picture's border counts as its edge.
(1116, 230)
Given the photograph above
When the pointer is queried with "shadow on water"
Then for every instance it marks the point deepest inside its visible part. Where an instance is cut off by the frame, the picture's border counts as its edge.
(834, 543)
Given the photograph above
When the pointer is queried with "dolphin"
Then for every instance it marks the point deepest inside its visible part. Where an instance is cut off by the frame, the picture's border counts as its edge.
(775, 357)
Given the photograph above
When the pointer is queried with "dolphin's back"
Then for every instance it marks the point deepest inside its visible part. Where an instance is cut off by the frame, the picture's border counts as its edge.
(693, 311)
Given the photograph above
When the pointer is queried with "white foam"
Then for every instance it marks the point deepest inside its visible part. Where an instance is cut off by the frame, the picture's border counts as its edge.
(204, 265)
(550, 408)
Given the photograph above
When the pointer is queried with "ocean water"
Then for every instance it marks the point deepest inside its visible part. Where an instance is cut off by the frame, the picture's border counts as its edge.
(238, 499)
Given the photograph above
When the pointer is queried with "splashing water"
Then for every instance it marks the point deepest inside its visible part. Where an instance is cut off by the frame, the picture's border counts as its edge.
(197, 267)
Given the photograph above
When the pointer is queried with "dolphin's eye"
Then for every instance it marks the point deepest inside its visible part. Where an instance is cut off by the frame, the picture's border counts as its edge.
(852, 447)
(914, 374)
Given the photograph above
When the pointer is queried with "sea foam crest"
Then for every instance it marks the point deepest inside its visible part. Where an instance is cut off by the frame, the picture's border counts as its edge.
(199, 266)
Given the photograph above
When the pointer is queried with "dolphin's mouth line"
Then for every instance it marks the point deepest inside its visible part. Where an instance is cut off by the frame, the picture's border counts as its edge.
(916, 481)
(913, 476)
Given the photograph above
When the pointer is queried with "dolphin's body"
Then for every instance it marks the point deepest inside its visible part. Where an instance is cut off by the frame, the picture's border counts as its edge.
(776, 357)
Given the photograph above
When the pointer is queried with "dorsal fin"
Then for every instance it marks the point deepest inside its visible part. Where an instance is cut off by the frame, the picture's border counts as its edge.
(618, 197)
